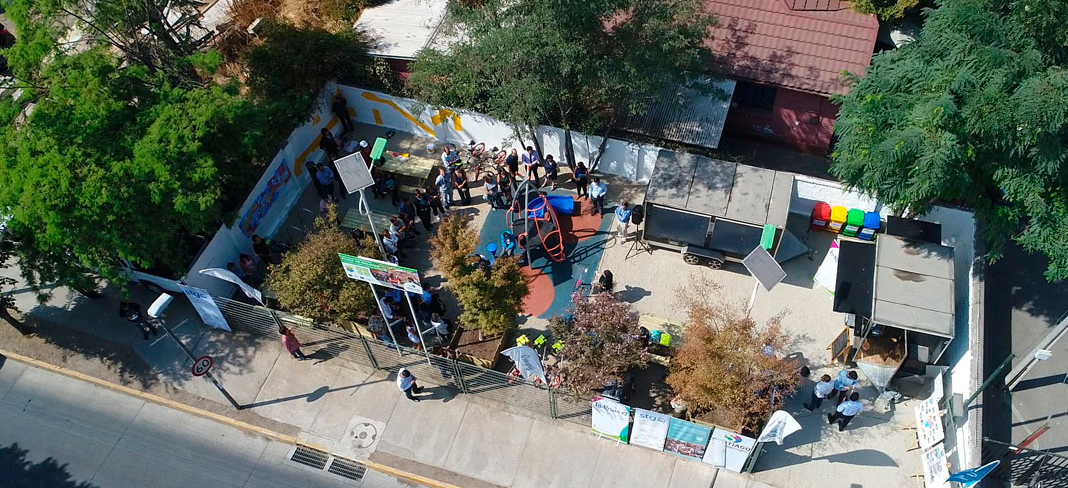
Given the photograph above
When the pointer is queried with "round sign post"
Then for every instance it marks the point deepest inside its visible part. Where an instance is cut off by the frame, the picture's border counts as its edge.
(202, 365)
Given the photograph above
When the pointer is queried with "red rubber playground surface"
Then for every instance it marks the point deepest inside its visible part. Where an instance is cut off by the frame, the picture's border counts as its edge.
(551, 284)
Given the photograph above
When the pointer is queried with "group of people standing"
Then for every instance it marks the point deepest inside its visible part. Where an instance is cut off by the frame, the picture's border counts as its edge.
(844, 389)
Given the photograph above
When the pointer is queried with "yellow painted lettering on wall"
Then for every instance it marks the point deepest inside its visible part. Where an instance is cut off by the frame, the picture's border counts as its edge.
(378, 116)
(442, 114)
(375, 98)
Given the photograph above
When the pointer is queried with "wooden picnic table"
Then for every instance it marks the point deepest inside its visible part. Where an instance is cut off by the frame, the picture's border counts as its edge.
(354, 220)
(418, 167)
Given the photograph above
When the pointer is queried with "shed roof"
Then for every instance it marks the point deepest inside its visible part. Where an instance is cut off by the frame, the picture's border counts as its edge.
(401, 28)
(720, 188)
(793, 44)
(914, 286)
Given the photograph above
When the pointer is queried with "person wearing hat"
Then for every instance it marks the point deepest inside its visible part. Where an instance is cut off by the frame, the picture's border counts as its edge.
(365, 151)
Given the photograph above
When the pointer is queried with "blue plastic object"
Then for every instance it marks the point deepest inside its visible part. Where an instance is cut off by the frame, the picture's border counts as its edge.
(562, 205)
(492, 248)
(872, 222)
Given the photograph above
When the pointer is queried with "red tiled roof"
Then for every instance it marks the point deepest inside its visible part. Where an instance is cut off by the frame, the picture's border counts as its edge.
(767, 42)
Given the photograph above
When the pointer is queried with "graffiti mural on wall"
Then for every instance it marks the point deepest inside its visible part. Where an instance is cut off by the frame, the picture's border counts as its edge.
(251, 221)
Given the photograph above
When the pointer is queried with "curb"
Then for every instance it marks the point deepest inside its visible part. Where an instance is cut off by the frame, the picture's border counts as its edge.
(148, 397)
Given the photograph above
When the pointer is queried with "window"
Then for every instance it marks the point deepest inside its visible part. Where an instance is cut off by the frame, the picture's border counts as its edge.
(760, 97)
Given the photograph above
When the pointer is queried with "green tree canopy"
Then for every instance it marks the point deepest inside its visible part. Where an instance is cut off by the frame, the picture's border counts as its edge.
(577, 65)
(975, 111)
(117, 163)
(601, 342)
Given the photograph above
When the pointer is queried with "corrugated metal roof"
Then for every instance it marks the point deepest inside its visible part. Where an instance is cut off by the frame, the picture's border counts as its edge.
(698, 121)
(401, 28)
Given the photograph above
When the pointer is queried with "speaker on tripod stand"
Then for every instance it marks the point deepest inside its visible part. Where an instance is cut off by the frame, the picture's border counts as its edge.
(637, 245)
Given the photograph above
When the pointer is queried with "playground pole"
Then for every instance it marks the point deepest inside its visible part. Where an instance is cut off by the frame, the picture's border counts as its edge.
(526, 220)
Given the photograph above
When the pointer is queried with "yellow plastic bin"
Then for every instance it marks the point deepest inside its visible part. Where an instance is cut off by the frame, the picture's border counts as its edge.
(838, 219)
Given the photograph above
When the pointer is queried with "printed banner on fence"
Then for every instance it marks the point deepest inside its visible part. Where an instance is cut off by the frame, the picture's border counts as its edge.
(251, 221)
(206, 307)
(781, 425)
(687, 439)
(381, 273)
(611, 419)
(736, 449)
(650, 429)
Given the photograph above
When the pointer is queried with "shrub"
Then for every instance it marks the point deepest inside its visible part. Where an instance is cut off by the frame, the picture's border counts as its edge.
(311, 282)
(491, 297)
(730, 364)
(602, 340)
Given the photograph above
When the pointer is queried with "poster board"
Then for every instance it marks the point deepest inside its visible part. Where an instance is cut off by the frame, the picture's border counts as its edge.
(687, 439)
(827, 275)
(736, 449)
(650, 429)
(206, 307)
(929, 423)
(381, 273)
(354, 173)
(935, 471)
(611, 419)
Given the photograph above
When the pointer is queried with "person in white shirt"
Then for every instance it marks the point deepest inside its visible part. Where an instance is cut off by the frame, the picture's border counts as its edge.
(449, 157)
(820, 392)
(532, 160)
(390, 242)
(846, 411)
(413, 336)
(439, 324)
(493, 194)
(387, 307)
(597, 193)
(406, 383)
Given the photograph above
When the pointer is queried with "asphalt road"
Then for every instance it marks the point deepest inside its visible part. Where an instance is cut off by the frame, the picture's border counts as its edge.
(1021, 308)
(59, 432)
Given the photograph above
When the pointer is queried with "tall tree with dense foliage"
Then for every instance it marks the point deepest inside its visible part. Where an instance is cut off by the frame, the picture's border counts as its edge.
(975, 111)
(730, 364)
(577, 65)
(118, 163)
(601, 339)
(311, 282)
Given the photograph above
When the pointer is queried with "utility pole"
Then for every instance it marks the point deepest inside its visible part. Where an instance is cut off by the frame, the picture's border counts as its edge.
(989, 379)
(1040, 352)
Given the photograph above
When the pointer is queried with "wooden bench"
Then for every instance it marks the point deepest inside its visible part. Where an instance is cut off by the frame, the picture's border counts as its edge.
(354, 220)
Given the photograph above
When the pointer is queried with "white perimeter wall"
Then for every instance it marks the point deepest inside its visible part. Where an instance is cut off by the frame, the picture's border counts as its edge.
(627, 159)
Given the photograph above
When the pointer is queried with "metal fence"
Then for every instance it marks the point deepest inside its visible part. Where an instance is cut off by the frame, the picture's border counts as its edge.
(1025, 467)
(461, 376)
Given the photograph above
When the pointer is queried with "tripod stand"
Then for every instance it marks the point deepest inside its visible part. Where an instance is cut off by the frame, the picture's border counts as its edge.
(638, 245)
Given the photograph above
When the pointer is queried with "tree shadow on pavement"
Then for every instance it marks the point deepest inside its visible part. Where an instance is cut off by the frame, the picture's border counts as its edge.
(18, 471)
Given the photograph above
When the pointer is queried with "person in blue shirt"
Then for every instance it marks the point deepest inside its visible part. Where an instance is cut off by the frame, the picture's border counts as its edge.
(597, 193)
(552, 170)
(444, 184)
(325, 176)
(622, 221)
(845, 383)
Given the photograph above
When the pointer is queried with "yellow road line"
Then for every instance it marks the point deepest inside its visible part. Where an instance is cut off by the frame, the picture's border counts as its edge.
(288, 439)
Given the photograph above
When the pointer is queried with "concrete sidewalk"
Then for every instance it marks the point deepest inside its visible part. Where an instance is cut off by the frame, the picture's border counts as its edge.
(357, 412)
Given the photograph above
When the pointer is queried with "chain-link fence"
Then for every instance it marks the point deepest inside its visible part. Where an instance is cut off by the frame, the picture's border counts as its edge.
(1025, 467)
(461, 376)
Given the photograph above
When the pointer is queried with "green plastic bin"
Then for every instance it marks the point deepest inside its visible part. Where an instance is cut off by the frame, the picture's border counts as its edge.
(854, 221)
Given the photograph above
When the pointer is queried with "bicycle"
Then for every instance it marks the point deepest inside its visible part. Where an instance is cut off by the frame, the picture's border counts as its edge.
(477, 152)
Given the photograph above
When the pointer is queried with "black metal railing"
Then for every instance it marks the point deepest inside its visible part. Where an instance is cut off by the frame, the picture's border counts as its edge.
(1025, 467)
(463, 377)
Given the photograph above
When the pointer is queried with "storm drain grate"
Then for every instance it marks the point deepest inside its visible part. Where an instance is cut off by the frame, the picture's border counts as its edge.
(347, 468)
(310, 457)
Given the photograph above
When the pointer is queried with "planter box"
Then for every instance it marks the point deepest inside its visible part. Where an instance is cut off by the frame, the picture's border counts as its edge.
(483, 352)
